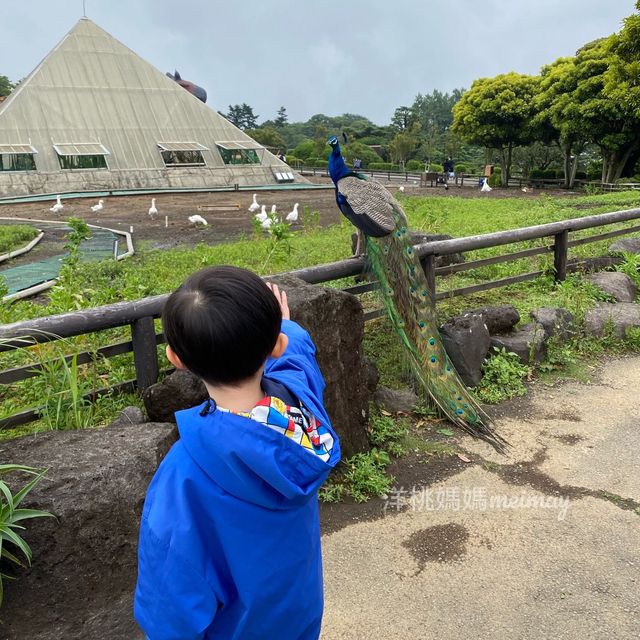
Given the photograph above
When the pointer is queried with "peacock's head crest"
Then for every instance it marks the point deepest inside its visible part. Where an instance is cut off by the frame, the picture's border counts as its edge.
(333, 142)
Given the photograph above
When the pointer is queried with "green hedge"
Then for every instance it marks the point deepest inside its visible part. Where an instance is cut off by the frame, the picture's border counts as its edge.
(461, 168)
(414, 165)
(315, 162)
(384, 166)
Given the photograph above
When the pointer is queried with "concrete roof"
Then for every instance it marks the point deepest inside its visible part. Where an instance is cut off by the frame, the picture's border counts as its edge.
(93, 89)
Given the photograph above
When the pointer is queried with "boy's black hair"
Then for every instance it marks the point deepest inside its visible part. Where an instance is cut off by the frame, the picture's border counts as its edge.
(223, 323)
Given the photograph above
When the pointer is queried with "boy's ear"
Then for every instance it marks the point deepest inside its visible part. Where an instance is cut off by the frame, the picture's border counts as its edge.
(173, 358)
(280, 346)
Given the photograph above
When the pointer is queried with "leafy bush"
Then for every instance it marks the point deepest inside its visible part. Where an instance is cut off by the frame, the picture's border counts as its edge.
(543, 174)
(631, 267)
(414, 165)
(503, 377)
(461, 168)
(434, 166)
(292, 161)
(365, 476)
(388, 433)
(315, 162)
(305, 149)
(12, 517)
(384, 166)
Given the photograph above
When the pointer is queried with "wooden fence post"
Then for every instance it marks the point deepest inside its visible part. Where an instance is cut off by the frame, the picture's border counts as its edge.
(429, 266)
(560, 247)
(145, 354)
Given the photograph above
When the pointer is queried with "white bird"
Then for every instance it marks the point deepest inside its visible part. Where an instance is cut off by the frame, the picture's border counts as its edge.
(524, 190)
(401, 188)
(485, 186)
(198, 220)
(152, 209)
(98, 207)
(273, 209)
(292, 216)
(57, 207)
(254, 206)
(266, 224)
(262, 216)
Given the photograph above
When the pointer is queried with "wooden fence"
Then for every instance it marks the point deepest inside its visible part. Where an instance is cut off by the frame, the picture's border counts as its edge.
(139, 315)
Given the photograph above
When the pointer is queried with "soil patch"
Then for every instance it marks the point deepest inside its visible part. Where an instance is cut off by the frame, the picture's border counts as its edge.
(440, 543)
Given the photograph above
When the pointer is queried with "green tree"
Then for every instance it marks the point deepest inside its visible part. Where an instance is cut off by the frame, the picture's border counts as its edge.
(305, 149)
(6, 86)
(402, 119)
(242, 116)
(268, 137)
(402, 146)
(496, 113)
(282, 118)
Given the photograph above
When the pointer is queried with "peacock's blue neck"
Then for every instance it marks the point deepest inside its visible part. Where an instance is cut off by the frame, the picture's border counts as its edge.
(338, 168)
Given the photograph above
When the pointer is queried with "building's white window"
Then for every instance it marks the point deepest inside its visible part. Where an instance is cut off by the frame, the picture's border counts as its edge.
(240, 152)
(17, 157)
(81, 155)
(182, 154)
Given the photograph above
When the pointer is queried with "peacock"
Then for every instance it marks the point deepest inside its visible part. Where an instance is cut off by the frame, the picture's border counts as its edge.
(370, 207)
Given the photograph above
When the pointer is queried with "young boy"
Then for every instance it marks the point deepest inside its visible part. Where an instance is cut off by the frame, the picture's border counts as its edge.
(230, 537)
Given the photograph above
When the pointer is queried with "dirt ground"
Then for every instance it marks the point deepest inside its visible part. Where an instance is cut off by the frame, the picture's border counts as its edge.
(542, 544)
(226, 212)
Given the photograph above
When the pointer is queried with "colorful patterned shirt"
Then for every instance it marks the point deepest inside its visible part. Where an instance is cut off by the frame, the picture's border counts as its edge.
(296, 423)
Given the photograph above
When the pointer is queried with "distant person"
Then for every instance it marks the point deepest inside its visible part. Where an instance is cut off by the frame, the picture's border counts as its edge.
(230, 533)
(357, 163)
(282, 157)
(448, 167)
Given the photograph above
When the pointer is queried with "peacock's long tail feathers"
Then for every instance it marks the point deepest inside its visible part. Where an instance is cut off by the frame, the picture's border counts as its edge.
(406, 299)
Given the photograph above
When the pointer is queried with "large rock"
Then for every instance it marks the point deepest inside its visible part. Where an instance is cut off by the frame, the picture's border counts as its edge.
(395, 400)
(528, 343)
(617, 285)
(498, 319)
(616, 318)
(81, 581)
(335, 321)
(556, 321)
(178, 391)
(625, 245)
(466, 339)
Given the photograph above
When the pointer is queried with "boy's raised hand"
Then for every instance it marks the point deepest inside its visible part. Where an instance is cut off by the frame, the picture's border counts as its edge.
(281, 297)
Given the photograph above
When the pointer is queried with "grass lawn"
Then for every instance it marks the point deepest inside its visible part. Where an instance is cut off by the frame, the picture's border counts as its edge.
(152, 272)
(15, 236)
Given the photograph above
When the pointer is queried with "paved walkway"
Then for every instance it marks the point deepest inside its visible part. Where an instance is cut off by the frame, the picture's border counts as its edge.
(544, 544)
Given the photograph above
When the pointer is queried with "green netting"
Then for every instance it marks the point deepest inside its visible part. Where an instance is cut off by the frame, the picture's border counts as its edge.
(98, 247)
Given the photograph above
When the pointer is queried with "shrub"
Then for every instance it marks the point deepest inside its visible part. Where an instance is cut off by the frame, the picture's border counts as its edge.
(366, 477)
(461, 168)
(384, 166)
(502, 379)
(581, 175)
(434, 166)
(414, 165)
(292, 161)
(305, 149)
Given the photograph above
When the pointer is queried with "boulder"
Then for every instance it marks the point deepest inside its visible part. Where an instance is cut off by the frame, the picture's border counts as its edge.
(335, 321)
(178, 391)
(129, 416)
(81, 581)
(615, 317)
(395, 400)
(625, 245)
(466, 339)
(498, 319)
(556, 321)
(617, 285)
(528, 343)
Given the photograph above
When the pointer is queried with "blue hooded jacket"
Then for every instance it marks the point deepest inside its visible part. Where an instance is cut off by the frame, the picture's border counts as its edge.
(230, 535)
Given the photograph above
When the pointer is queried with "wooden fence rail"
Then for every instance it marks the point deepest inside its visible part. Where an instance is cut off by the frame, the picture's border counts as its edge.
(139, 315)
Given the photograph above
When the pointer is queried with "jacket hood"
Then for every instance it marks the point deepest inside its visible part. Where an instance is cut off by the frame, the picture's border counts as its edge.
(250, 461)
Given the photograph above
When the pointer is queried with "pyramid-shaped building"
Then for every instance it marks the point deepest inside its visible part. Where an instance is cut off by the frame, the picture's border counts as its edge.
(94, 116)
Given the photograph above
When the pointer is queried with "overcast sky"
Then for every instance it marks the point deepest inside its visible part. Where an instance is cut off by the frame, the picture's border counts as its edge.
(332, 57)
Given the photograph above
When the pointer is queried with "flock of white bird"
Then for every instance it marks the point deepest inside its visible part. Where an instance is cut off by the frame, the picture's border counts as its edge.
(265, 219)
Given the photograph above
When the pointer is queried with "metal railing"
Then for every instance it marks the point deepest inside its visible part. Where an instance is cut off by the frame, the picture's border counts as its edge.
(139, 315)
